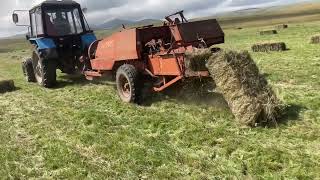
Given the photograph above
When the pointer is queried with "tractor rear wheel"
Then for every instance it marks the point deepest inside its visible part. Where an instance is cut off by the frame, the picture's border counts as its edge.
(44, 70)
(127, 80)
(27, 69)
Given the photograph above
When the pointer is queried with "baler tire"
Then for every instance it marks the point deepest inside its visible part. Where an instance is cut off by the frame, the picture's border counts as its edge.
(129, 74)
(45, 74)
(27, 69)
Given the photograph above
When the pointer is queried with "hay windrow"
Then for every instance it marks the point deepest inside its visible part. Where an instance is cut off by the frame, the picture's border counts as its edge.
(315, 39)
(268, 32)
(6, 86)
(269, 46)
(247, 92)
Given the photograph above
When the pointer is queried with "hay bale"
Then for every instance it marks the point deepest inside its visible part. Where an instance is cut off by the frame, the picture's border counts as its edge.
(282, 26)
(268, 32)
(315, 39)
(196, 59)
(247, 92)
(269, 46)
(6, 86)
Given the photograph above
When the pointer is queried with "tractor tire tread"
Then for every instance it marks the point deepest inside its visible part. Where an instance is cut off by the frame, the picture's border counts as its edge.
(49, 74)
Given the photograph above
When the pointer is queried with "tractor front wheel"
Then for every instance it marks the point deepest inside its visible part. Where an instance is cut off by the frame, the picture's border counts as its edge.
(127, 80)
(27, 69)
(44, 70)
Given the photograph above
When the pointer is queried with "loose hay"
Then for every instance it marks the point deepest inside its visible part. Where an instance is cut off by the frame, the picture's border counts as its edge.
(268, 32)
(6, 85)
(247, 92)
(266, 47)
(197, 58)
(315, 39)
(282, 26)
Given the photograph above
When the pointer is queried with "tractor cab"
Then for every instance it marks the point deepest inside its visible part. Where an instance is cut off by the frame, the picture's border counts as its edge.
(59, 34)
(55, 19)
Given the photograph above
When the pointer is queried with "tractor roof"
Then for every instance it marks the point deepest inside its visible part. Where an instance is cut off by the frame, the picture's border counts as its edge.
(57, 3)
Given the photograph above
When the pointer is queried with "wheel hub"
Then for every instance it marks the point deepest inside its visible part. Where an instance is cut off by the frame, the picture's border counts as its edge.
(125, 86)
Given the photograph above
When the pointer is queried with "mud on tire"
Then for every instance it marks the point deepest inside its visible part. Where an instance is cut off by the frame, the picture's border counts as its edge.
(44, 70)
(27, 69)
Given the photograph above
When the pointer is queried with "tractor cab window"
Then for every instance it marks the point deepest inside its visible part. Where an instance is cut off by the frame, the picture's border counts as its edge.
(62, 22)
(36, 23)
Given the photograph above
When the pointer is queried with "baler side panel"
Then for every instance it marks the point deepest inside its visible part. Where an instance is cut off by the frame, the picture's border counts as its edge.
(121, 46)
(164, 66)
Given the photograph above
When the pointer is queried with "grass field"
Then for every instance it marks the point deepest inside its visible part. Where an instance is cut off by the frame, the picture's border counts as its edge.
(81, 130)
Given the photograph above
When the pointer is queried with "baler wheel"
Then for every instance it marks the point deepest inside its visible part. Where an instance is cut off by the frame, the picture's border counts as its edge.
(127, 81)
(27, 69)
(44, 70)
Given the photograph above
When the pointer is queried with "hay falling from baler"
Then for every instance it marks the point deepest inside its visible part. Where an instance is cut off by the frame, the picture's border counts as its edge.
(6, 86)
(247, 92)
(268, 32)
(269, 46)
(197, 58)
(315, 39)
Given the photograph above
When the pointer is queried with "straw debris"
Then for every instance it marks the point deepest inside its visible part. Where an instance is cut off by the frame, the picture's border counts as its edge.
(247, 92)
(268, 32)
(269, 46)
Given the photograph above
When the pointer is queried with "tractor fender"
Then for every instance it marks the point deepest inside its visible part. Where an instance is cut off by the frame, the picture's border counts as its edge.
(87, 40)
(43, 43)
(45, 47)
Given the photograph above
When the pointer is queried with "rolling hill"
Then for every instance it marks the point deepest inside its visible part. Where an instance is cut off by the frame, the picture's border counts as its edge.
(116, 23)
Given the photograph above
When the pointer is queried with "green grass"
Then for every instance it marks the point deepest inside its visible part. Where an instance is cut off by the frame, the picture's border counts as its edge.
(81, 130)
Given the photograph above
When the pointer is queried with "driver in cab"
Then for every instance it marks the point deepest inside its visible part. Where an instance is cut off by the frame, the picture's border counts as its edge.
(61, 25)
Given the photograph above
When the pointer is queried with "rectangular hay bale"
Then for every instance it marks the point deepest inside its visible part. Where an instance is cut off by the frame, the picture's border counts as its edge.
(269, 46)
(6, 86)
(247, 92)
(315, 39)
(282, 26)
(268, 32)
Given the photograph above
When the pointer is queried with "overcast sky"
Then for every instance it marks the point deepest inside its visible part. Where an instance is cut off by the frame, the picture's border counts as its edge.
(100, 11)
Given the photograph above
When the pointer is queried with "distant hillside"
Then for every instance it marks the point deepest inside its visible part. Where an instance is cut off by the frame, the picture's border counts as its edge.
(273, 15)
(113, 24)
(116, 23)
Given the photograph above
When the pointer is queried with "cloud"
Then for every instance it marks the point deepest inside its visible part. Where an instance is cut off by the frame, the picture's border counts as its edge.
(100, 11)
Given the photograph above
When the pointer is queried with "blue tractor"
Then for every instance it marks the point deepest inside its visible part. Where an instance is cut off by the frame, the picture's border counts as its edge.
(60, 36)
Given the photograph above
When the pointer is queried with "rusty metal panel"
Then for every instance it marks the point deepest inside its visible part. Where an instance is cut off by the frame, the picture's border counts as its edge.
(118, 47)
(209, 30)
(102, 64)
(164, 66)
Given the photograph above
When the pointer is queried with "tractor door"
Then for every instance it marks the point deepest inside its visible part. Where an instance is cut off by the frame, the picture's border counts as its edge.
(36, 23)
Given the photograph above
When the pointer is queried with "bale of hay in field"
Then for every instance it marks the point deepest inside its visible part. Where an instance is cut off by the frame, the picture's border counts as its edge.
(247, 92)
(196, 59)
(269, 46)
(268, 32)
(6, 85)
(315, 39)
(282, 26)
